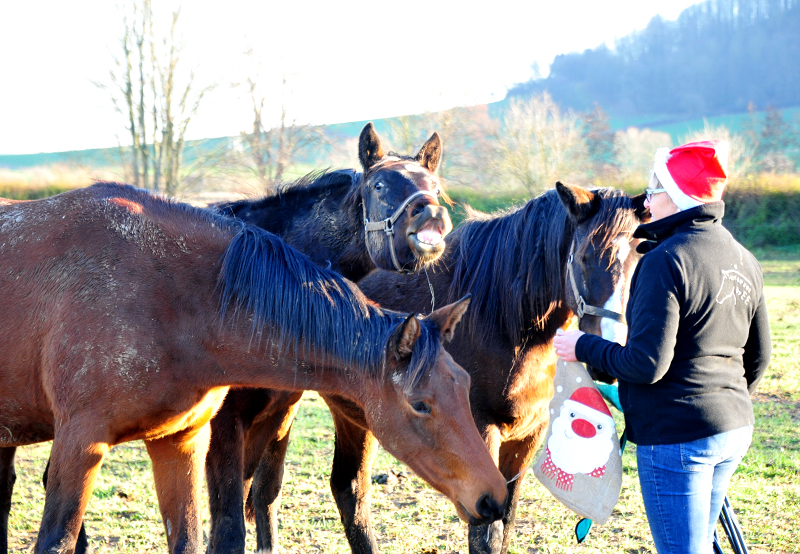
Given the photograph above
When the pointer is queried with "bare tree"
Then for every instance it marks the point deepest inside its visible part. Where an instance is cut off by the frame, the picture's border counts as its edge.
(277, 142)
(635, 153)
(741, 157)
(463, 131)
(537, 144)
(146, 84)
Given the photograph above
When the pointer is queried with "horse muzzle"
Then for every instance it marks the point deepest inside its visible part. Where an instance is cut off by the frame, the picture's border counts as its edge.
(487, 510)
(427, 229)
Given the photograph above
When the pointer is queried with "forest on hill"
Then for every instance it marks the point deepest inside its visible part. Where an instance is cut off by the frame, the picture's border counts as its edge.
(719, 56)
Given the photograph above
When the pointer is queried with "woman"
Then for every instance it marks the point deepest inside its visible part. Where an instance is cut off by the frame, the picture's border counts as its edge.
(698, 343)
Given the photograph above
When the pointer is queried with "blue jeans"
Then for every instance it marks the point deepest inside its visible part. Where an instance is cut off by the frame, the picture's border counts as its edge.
(683, 486)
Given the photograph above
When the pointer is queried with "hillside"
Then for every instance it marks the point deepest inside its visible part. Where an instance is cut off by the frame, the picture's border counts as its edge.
(716, 58)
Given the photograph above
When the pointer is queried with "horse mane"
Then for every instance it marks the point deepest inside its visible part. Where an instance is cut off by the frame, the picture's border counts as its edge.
(263, 277)
(512, 262)
(296, 299)
(311, 185)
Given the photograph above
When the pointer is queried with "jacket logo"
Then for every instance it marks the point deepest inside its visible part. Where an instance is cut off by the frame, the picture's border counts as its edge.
(734, 285)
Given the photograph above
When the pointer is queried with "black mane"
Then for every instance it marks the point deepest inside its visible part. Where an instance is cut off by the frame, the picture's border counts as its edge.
(513, 262)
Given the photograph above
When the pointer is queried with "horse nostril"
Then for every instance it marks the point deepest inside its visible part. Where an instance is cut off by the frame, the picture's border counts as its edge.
(418, 210)
(488, 508)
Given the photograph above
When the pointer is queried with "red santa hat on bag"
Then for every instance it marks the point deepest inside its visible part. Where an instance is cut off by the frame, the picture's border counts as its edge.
(588, 402)
(694, 173)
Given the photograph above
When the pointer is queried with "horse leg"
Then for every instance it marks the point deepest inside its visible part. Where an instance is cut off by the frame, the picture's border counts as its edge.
(354, 452)
(488, 539)
(178, 471)
(83, 543)
(265, 452)
(515, 457)
(224, 478)
(7, 478)
(74, 463)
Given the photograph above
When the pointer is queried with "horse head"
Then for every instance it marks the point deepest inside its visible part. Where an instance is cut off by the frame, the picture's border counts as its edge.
(400, 199)
(424, 418)
(602, 257)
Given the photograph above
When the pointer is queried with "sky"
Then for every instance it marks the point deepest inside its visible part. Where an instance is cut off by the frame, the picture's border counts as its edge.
(344, 60)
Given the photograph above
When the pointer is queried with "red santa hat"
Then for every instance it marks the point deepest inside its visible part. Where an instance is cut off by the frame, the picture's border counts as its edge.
(587, 402)
(694, 173)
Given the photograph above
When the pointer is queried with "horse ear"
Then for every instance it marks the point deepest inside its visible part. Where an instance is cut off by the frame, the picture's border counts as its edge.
(642, 213)
(370, 150)
(448, 317)
(403, 340)
(430, 153)
(579, 202)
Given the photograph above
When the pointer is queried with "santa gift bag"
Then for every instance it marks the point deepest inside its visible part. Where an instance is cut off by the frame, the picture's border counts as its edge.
(580, 464)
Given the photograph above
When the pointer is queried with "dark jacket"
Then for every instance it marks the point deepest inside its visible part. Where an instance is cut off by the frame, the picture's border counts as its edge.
(698, 335)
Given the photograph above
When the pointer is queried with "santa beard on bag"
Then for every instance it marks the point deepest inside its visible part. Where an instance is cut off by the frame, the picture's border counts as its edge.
(572, 453)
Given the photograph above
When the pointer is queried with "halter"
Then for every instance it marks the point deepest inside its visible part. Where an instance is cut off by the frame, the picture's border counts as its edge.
(387, 225)
(583, 307)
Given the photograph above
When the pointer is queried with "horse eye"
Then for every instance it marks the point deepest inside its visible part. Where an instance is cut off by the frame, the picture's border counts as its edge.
(379, 185)
(572, 414)
(421, 407)
(599, 426)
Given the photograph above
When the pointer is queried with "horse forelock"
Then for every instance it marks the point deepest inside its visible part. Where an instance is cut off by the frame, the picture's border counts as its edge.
(512, 263)
(283, 291)
(615, 216)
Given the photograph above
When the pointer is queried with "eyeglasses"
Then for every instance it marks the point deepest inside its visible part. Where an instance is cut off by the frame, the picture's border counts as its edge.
(648, 192)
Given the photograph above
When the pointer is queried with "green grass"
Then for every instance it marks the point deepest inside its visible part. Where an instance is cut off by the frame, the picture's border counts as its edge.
(410, 518)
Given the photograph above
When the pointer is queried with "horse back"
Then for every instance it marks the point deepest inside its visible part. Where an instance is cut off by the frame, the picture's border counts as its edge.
(95, 286)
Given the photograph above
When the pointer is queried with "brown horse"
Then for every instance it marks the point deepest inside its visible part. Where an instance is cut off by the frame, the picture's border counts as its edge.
(128, 317)
(336, 218)
(342, 221)
(517, 266)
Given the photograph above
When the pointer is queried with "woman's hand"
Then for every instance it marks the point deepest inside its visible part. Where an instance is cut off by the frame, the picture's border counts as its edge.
(565, 344)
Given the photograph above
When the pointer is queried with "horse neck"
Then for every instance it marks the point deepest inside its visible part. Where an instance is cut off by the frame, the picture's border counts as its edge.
(320, 224)
(514, 266)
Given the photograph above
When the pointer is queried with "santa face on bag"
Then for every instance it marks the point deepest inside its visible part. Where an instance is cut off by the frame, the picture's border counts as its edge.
(581, 438)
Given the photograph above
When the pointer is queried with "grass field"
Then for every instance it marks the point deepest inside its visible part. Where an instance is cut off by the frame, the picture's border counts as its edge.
(410, 518)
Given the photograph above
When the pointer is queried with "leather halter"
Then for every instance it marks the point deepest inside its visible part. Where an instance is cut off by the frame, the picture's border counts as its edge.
(387, 225)
(583, 307)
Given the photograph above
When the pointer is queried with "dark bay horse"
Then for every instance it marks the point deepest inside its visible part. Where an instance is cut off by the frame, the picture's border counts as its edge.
(516, 265)
(126, 317)
(324, 216)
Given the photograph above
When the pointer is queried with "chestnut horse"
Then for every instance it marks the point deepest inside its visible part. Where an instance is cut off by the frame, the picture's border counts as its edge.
(517, 266)
(126, 317)
(322, 215)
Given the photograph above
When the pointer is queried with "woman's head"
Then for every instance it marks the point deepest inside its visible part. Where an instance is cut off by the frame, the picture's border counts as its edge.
(689, 175)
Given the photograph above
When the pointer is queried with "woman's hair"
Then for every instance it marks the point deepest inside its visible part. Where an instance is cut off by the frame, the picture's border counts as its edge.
(653, 182)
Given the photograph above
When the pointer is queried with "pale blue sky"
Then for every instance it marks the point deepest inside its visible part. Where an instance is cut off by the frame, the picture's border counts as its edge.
(347, 60)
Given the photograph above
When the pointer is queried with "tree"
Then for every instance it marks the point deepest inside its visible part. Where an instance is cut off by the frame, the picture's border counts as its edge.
(538, 145)
(599, 140)
(146, 84)
(741, 157)
(463, 131)
(635, 153)
(274, 145)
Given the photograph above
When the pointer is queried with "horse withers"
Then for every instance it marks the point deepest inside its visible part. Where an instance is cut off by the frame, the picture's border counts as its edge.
(127, 317)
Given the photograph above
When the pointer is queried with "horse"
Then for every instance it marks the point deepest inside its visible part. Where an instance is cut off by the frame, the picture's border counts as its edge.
(127, 316)
(337, 219)
(327, 215)
(530, 270)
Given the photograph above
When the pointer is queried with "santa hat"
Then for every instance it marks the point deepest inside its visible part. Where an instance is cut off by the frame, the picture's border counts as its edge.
(693, 174)
(588, 402)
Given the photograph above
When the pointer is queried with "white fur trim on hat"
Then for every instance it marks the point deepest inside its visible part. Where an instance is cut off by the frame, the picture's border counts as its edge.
(683, 201)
